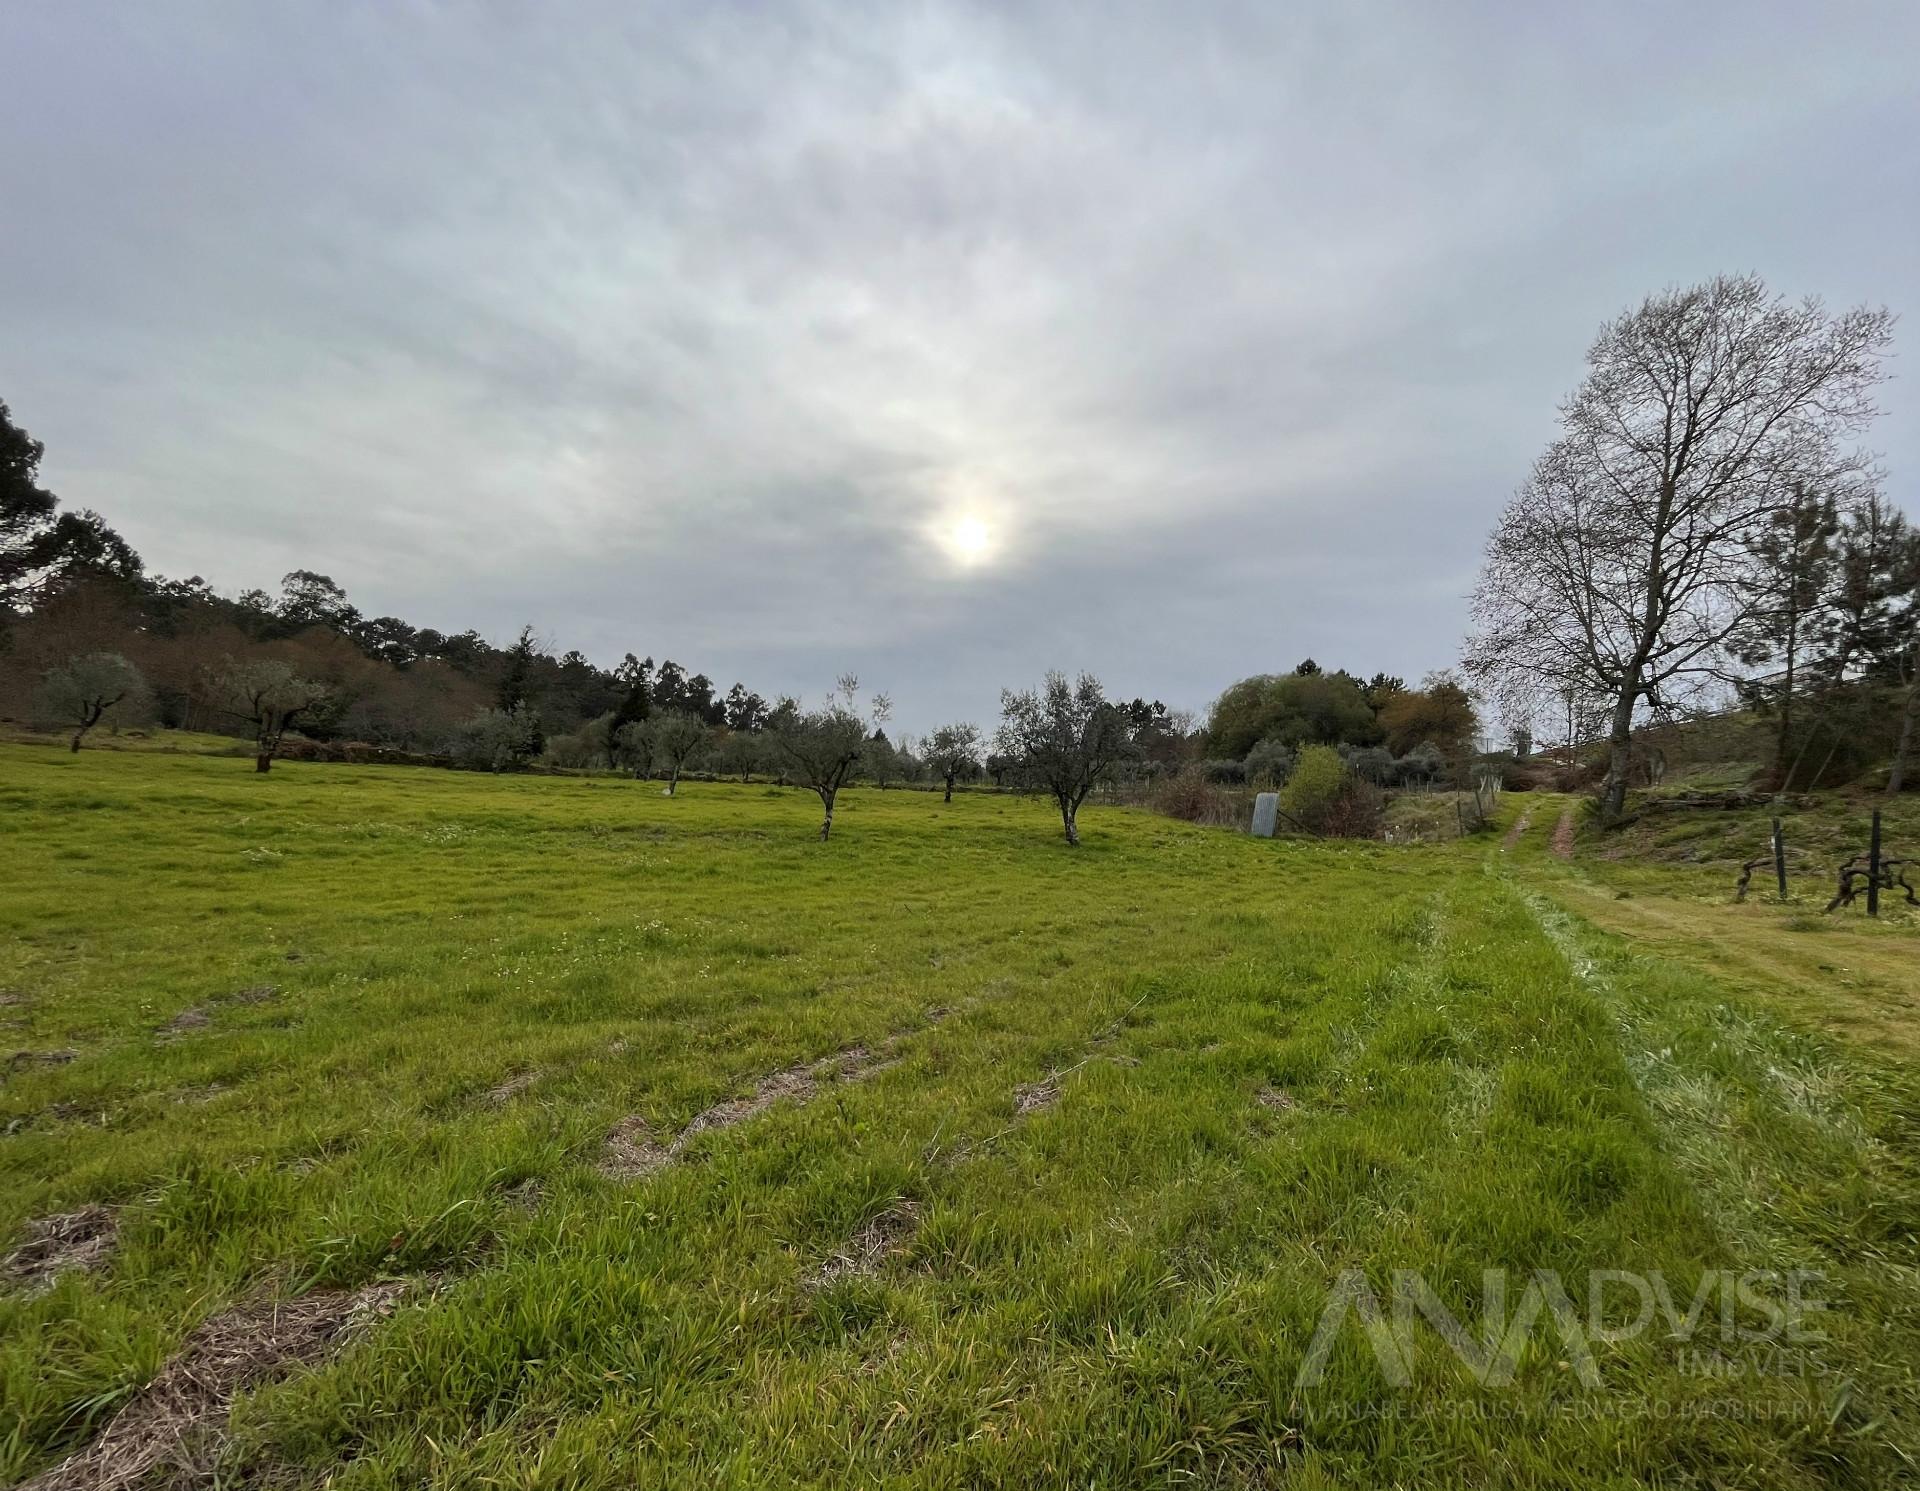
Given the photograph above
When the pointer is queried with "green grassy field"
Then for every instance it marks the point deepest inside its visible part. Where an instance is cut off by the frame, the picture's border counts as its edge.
(455, 1130)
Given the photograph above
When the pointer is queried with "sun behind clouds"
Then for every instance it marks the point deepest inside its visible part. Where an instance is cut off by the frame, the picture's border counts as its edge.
(968, 539)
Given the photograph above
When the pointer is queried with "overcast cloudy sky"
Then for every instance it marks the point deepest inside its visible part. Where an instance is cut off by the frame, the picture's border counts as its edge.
(944, 344)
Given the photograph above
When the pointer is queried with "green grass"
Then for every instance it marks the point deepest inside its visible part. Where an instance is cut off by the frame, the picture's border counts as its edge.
(1248, 1066)
(144, 740)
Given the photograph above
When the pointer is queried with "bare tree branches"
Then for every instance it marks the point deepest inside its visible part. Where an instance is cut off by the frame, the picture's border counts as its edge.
(1621, 567)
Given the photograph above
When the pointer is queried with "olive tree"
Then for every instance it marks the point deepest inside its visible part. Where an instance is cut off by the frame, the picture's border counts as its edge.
(822, 746)
(953, 751)
(87, 689)
(1065, 737)
(495, 739)
(1269, 762)
(1623, 566)
(742, 753)
(673, 735)
(269, 696)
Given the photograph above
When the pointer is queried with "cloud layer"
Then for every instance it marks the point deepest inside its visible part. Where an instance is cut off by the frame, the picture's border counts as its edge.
(698, 330)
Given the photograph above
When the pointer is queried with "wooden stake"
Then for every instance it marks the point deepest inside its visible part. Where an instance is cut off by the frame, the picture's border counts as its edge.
(1873, 867)
(1780, 859)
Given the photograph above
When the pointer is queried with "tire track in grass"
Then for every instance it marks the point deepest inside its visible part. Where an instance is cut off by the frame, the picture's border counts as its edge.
(1782, 1133)
(632, 1152)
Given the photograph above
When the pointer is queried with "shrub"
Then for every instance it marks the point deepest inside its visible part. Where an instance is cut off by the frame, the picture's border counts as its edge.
(1269, 763)
(1189, 795)
(1373, 763)
(1224, 773)
(1355, 812)
(1424, 763)
(1318, 779)
(494, 740)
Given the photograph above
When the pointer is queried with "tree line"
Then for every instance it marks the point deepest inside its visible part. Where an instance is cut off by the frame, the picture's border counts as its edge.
(86, 633)
(87, 636)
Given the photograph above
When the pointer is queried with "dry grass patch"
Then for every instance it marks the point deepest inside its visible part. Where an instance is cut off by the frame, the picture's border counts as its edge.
(74, 1240)
(867, 1251)
(173, 1424)
(21, 1060)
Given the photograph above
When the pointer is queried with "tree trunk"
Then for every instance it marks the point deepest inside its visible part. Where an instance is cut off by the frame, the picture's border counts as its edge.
(826, 823)
(1897, 777)
(76, 739)
(947, 798)
(263, 762)
(673, 781)
(1066, 818)
(1613, 798)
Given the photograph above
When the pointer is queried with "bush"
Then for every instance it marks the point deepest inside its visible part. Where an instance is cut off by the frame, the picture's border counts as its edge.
(1318, 779)
(589, 746)
(495, 740)
(1373, 764)
(1269, 763)
(1188, 795)
(1224, 773)
(1424, 763)
(1356, 812)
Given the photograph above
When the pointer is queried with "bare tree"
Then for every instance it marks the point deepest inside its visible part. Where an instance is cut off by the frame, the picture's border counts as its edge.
(1066, 737)
(822, 746)
(270, 696)
(1620, 568)
(953, 751)
(673, 735)
(87, 688)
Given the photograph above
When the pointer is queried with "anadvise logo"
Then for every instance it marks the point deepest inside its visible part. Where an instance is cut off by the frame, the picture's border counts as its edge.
(1737, 1309)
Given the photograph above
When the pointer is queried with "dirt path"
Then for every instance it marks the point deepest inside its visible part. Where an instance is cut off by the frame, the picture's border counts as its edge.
(1562, 845)
(1520, 826)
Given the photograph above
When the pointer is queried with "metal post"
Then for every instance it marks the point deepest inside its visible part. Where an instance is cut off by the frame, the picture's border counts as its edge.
(1873, 867)
(1779, 859)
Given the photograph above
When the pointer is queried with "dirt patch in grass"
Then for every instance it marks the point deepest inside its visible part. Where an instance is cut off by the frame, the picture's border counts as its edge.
(11, 999)
(632, 1153)
(1275, 1097)
(21, 1060)
(798, 1083)
(254, 994)
(175, 1424)
(75, 1240)
(55, 1113)
(1562, 845)
(1520, 826)
(510, 1089)
(527, 1196)
(1036, 1097)
(193, 1018)
(867, 1251)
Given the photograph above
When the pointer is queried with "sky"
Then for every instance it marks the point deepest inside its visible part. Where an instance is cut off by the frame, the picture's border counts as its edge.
(938, 344)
